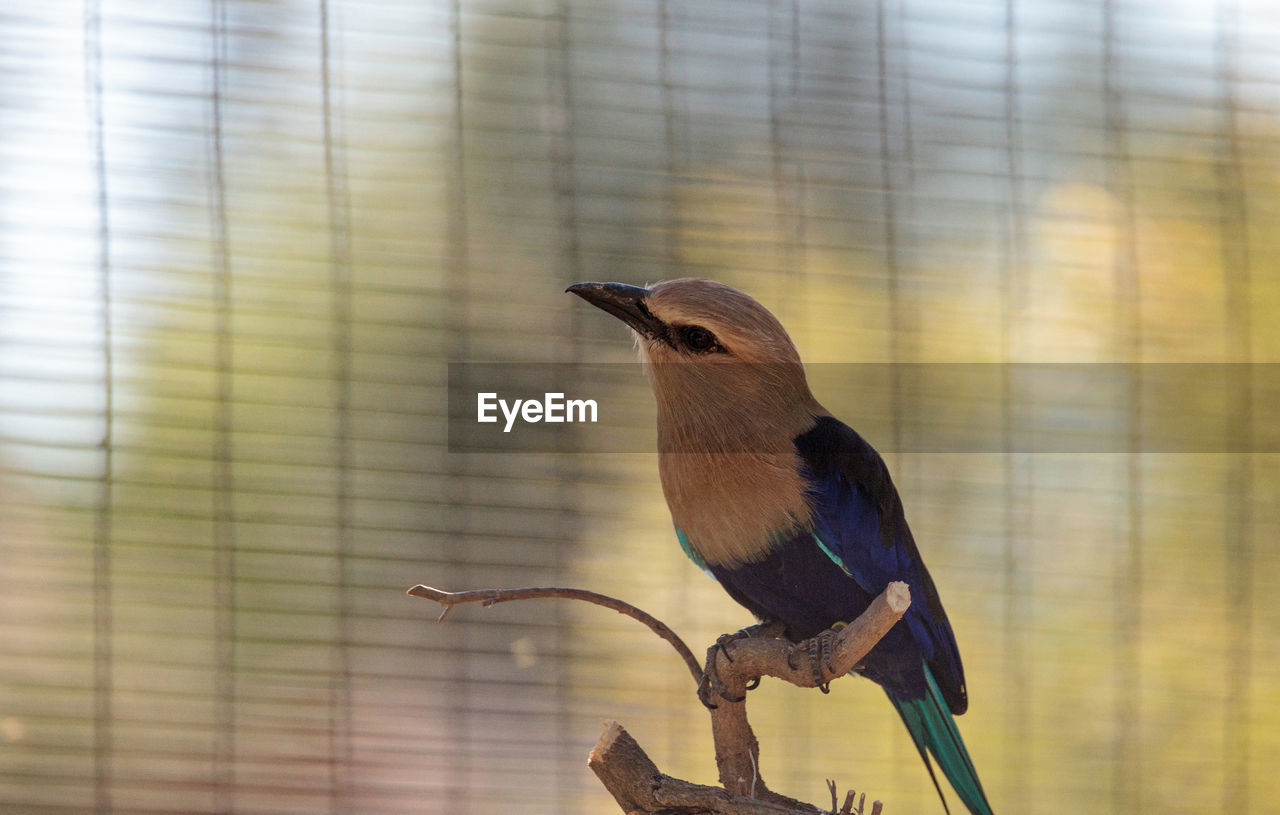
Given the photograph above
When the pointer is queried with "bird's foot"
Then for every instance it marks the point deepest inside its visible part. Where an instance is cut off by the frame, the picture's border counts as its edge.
(819, 650)
(711, 686)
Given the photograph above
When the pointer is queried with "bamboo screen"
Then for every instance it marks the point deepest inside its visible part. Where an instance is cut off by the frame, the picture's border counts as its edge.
(241, 240)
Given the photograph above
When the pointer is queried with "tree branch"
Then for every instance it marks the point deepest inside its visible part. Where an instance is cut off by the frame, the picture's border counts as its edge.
(737, 663)
(744, 660)
(637, 785)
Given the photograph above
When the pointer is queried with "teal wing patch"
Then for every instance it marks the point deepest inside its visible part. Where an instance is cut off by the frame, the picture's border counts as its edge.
(824, 548)
(688, 550)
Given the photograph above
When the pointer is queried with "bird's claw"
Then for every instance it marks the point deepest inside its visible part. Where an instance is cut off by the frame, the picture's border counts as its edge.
(819, 651)
(722, 643)
(711, 686)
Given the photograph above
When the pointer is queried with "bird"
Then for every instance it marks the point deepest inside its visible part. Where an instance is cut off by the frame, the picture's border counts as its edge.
(788, 508)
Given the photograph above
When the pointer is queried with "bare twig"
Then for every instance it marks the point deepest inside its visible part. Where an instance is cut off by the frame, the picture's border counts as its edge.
(491, 597)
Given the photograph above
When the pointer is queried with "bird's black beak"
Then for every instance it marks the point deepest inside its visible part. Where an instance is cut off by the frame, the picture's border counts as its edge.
(627, 303)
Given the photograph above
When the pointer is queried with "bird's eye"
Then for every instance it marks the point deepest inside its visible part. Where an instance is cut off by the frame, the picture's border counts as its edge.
(697, 338)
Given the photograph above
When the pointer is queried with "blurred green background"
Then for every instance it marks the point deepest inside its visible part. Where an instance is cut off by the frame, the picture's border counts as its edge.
(241, 239)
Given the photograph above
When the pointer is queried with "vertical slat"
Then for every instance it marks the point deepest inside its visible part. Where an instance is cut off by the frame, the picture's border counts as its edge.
(340, 316)
(1018, 467)
(1127, 577)
(223, 511)
(103, 683)
(1237, 272)
(457, 315)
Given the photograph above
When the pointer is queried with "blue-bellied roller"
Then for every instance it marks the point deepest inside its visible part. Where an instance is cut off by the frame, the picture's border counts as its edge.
(788, 508)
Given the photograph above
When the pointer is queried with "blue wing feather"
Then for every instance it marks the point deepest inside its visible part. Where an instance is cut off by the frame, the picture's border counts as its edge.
(859, 517)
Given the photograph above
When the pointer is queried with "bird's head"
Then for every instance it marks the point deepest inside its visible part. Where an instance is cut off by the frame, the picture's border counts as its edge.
(712, 352)
(694, 320)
